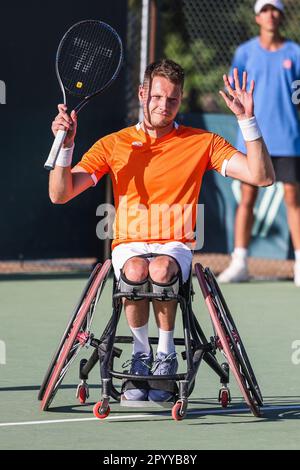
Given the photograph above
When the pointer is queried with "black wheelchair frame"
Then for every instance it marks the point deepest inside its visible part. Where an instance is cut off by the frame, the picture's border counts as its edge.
(225, 338)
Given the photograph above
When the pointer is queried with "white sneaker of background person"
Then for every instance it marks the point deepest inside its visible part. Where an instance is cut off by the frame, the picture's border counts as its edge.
(237, 271)
(297, 273)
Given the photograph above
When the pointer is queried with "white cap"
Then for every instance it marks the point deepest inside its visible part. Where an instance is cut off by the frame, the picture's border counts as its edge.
(261, 3)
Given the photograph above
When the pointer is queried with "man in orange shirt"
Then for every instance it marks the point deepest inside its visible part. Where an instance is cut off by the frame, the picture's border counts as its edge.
(156, 169)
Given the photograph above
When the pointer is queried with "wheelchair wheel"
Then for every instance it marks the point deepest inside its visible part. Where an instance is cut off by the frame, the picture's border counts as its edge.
(249, 373)
(76, 335)
(228, 340)
(65, 335)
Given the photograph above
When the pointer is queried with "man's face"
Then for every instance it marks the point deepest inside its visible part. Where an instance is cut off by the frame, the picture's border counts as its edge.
(269, 18)
(161, 100)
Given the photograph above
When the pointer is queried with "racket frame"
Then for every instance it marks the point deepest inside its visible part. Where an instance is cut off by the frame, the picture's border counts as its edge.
(61, 134)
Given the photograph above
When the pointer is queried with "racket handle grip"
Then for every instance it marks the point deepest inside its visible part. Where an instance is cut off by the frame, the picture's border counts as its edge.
(55, 149)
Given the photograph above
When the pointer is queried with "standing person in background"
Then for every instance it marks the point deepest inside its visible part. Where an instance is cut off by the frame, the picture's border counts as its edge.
(273, 62)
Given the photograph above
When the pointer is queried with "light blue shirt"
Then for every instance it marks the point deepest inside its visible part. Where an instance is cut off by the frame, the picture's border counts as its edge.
(274, 74)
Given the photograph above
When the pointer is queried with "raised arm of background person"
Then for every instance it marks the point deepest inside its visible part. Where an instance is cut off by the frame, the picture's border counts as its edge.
(256, 167)
(64, 183)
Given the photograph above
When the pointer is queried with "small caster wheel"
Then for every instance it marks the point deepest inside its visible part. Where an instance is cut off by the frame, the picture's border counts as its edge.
(177, 411)
(82, 392)
(82, 395)
(224, 397)
(101, 410)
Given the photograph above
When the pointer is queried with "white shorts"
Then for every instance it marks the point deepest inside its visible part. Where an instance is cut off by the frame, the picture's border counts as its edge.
(177, 250)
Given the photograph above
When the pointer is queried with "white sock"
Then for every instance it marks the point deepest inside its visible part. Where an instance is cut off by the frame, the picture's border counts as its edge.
(297, 255)
(140, 339)
(241, 253)
(165, 342)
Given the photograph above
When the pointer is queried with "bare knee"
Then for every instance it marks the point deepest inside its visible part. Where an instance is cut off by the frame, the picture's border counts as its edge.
(162, 269)
(136, 269)
(248, 197)
(292, 195)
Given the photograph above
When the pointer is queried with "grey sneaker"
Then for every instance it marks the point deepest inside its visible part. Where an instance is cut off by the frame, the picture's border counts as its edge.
(140, 364)
(164, 364)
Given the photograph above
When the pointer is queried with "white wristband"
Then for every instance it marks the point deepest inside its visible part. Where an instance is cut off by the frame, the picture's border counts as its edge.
(65, 155)
(250, 129)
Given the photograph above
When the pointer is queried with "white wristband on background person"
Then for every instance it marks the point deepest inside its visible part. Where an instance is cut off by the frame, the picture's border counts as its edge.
(65, 156)
(250, 129)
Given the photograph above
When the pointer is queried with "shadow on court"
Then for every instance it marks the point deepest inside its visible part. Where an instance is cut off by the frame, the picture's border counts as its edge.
(276, 408)
(234, 413)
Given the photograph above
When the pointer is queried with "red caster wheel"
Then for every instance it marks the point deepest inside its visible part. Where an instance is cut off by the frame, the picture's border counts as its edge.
(82, 392)
(177, 413)
(100, 410)
(82, 395)
(224, 397)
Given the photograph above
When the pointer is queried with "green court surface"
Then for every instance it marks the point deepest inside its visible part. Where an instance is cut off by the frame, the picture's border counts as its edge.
(34, 313)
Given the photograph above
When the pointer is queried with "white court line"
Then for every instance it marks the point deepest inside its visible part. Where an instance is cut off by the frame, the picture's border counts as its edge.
(53, 421)
(149, 415)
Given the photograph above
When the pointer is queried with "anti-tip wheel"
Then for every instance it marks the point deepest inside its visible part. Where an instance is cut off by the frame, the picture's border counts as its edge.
(82, 395)
(224, 397)
(101, 411)
(176, 412)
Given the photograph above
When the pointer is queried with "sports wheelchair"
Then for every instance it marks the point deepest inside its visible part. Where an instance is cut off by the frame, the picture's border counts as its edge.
(197, 347)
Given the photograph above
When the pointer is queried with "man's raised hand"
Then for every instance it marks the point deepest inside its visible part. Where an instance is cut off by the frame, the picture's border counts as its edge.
(239, 100)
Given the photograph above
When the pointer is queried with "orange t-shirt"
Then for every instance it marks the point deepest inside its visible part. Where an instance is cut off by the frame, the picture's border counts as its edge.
(156, 182)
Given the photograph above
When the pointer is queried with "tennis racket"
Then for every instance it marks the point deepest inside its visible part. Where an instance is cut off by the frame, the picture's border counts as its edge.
(88, 60)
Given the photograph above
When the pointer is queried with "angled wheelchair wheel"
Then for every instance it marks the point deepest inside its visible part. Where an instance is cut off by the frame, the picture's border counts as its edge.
(249, 373)
(76, 335)
(228, 340)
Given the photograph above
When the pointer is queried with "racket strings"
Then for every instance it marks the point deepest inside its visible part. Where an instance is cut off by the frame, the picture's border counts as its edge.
(89, 58)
